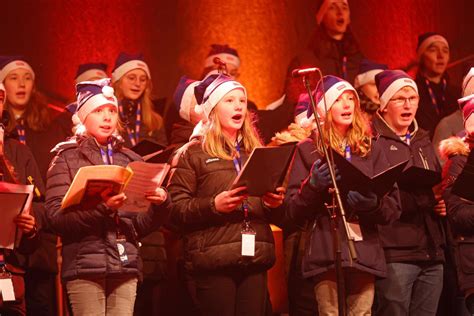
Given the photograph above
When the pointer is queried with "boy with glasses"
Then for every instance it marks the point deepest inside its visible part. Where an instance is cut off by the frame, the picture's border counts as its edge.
(413, 244)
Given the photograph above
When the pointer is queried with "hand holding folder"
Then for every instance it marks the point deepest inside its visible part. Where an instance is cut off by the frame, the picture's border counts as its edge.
(265, 169)
(354, 179)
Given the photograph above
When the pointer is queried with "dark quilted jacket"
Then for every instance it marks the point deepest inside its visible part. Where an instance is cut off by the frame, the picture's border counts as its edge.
(89, 235)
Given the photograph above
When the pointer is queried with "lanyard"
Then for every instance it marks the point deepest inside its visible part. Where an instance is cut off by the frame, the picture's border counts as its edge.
(433, 96)
(107, 157)
(20, 128)
(2, 258)
(133, 136)
(344, 67)
(347, 153)
(408, 138)
(238, 165)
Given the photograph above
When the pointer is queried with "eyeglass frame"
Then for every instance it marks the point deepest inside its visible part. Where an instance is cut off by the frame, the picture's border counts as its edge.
(400, 101)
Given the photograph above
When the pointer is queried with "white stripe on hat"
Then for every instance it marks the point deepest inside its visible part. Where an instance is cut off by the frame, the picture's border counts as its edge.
(185, 105)
(218, 93)
(366, 77)
(428, 41)
(130, 65)
(224, 57)
(91, 73)
(393, 88)
(93, 103)
(333, 94)
(15, 64)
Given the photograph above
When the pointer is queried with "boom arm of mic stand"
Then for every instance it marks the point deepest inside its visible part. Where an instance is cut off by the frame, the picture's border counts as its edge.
(330, 161)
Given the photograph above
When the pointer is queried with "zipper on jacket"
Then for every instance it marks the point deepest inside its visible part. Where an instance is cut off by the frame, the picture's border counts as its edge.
(424, 160)
(313, 228)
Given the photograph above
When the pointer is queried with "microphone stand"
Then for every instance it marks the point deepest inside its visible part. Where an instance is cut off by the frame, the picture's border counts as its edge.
(341, 302)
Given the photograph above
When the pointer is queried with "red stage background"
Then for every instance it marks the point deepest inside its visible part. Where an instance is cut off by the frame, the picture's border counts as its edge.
(58, 35)
(175, 36)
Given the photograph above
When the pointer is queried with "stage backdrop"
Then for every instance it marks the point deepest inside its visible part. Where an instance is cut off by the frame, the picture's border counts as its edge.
(175, 36)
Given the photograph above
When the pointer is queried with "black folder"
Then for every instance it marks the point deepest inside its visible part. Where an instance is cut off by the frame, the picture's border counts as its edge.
(161, 156)
(419, 177)
(463, 186)
(265, 169)
(146, 147)
(354, 179)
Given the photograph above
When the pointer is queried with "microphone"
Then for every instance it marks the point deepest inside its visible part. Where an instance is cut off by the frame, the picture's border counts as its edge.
(303, 72)
(218, 61)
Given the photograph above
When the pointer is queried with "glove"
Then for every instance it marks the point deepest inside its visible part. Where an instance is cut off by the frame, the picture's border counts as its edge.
(362, 202)
(321, 177)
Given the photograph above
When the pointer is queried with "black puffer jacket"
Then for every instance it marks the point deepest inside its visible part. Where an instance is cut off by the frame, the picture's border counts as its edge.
(460, 212)
(303, 202)
(418, 234)
(89, 235)
(212, 240)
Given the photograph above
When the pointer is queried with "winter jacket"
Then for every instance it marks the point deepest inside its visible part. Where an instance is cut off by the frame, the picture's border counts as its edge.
(428, 114)
(417, 235)
(24, 165)
(304, 202)
(89, 235)
(212, 240)
(460, 212)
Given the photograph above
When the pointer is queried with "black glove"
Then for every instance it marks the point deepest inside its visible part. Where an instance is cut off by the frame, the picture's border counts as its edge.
(362, 202)
(321, 177)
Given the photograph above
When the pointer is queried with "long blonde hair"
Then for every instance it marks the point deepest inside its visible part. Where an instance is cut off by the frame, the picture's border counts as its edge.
(216, 144)
(358, 137)
(37, 114)
(151, 119)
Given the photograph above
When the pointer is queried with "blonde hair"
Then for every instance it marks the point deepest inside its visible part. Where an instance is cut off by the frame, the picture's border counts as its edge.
(151, 119)
(358, 137)
(217, 145)
(37, 115)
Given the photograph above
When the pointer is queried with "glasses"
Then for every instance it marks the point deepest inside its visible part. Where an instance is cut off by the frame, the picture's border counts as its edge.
(401, 101)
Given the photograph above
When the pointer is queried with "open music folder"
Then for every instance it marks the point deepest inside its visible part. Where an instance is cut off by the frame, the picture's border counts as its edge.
(265, 169)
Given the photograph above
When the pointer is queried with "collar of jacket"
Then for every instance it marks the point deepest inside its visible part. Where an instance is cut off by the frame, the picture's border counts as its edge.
(383, 129)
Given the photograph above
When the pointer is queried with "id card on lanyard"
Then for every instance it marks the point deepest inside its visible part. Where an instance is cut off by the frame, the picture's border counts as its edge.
(121, 240)
(247, 232)
(6, 283)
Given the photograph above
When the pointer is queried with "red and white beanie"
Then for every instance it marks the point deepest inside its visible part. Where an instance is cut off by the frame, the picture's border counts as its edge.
(211, 90)
(10, 63)
(91, 95)
(389, 82)
(126, 62)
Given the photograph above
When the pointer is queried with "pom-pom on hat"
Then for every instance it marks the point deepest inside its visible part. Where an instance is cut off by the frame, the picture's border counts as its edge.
(91, 95)
(126, 62)
(426, 39)
(468, 83)
(91, 70)
(467, 106)
(367, 71)
(227, 54)
(323, 9)
(211, 90)
(389, 82)
(334, 87)
(183, 96)
(9, 63)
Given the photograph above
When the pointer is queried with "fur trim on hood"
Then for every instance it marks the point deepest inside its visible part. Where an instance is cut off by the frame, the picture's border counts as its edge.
(294, 133)
(453, 146)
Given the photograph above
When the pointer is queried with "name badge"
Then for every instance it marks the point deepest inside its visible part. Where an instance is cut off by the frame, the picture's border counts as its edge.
(121, 250)
(6, 288)
(248, 240)
(354, 231)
